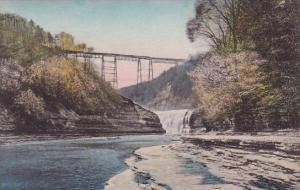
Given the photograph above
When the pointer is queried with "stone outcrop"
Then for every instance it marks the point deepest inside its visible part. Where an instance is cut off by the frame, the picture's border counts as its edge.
(7, 120)
(131, 118)
(265, 160)
(196, 122)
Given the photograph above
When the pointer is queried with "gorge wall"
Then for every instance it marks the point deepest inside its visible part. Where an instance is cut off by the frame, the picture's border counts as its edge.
(171, 90)
(132, 118)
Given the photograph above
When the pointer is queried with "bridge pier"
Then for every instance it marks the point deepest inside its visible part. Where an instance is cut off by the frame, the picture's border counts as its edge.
(109, 71)
(87, 62)
(115, 72)
(139, 72)
(150, 71)
(102, 68)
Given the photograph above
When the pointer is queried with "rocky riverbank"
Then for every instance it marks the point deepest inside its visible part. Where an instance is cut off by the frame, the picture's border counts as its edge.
(131, 119)
(216, 161)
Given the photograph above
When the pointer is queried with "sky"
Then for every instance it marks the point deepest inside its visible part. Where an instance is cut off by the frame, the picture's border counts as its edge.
(139, 27)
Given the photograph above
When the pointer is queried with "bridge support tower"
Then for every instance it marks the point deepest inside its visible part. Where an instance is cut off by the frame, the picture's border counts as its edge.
(109, 71)
(150, 71)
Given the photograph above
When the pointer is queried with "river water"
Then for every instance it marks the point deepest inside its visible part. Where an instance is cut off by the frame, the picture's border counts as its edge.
(82, 164)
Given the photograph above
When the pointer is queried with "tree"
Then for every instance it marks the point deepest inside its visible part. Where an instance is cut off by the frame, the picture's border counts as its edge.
(66, 41)
(272, 25)
(270, 28)
(229, 89)
(218, 21)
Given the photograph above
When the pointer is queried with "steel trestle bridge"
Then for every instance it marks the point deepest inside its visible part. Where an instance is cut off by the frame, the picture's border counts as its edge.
(109, 63)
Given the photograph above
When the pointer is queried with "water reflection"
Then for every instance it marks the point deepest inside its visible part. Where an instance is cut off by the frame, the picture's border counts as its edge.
(68, 164)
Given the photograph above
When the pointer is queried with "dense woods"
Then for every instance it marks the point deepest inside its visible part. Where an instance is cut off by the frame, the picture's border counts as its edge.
(251, 78)
(35, 78)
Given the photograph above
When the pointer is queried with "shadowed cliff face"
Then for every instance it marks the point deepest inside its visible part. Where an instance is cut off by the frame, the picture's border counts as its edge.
(6, 120)
(171, 90)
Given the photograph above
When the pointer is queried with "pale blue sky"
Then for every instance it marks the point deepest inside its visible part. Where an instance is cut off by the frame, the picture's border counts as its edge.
(142, 27)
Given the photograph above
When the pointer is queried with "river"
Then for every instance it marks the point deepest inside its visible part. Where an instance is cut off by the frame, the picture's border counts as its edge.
(82, 164)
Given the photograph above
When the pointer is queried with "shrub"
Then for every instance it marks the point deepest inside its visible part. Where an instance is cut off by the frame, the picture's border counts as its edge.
(28, 104)
(72, 84)
(229, 89)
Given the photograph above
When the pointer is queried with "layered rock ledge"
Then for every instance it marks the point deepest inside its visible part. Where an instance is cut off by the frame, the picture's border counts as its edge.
(215, 161)
(130, 119)
(252, 161)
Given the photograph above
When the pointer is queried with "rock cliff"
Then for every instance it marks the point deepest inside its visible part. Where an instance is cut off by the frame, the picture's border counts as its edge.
(7, 120)
(196, 123)
(131, 118)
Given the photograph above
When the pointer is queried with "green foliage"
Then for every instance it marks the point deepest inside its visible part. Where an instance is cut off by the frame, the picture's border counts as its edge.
(275, 38)
(266, 89)
(220, 22)
(229, 89)
(69, 82)
(35, 78)
(66, 41)
(23, 41)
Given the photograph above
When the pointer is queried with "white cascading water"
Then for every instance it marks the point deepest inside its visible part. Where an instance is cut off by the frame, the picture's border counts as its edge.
(175, 122)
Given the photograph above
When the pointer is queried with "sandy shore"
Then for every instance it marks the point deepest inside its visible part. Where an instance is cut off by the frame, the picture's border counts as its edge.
(214, 162)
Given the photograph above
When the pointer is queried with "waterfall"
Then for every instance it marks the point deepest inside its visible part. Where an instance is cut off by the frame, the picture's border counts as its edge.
(175, 122)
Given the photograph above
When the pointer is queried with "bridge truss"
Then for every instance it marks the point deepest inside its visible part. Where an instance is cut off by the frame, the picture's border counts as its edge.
(109, 64)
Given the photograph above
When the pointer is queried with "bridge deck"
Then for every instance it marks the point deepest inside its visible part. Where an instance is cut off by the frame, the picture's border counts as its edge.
(125, 57)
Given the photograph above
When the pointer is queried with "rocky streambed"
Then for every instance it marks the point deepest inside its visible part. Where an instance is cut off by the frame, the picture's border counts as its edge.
(216, 161)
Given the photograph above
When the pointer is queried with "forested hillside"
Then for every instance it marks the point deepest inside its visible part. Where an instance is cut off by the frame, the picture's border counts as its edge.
(251, 78)
(37, 82)
(170, 90)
